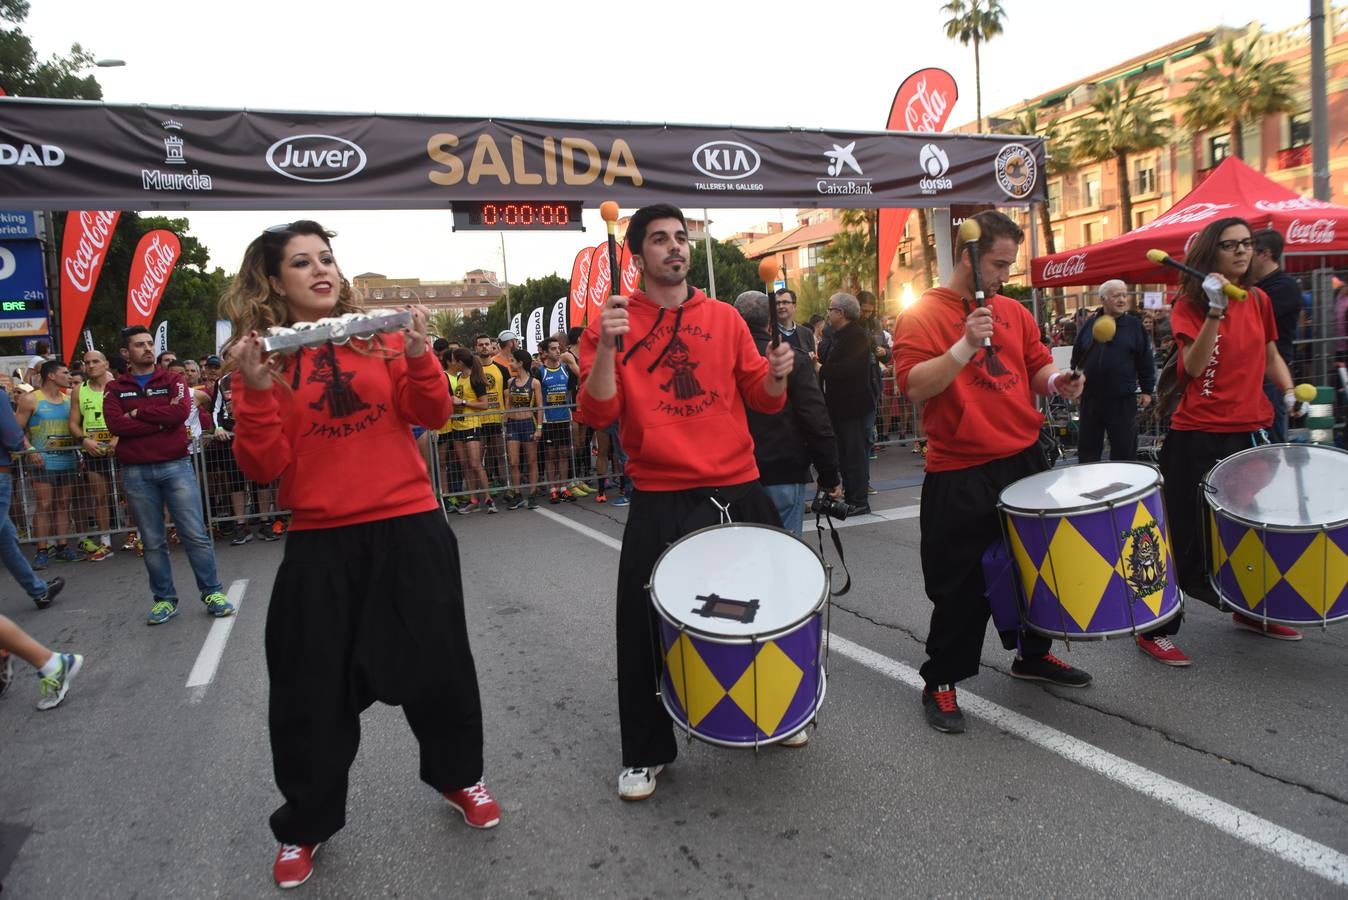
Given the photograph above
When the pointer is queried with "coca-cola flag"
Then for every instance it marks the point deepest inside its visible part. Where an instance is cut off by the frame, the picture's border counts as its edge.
(83, 250)
(601, 278)
(580, 283)
(922, 103)
(631, 275)
(151, 266)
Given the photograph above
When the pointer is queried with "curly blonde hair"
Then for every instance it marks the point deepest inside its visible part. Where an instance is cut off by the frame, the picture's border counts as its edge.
(250, 304)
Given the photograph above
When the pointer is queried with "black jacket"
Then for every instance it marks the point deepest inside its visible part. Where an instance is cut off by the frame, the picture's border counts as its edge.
(846, 373)
(802, 338)
(1119, 367)
(787, 443)
(1282, 289)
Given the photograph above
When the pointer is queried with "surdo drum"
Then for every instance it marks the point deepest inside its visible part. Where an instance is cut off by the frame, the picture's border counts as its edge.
(1278, 533)
(1091, 550)
(741, 619)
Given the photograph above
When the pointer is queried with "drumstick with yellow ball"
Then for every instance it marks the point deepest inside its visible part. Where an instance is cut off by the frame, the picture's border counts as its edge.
(1102, 332)
(1303, 394)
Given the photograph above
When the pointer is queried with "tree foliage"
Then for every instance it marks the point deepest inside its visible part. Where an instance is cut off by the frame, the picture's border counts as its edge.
(1119, 123)
(24, 75)
(735, 274)
(524, 299)
(848, 262)
(974, 22)
(1237, 86)
(1059, 152)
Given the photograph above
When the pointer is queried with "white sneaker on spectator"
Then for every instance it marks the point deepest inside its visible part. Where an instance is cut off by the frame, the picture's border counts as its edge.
(638, 782)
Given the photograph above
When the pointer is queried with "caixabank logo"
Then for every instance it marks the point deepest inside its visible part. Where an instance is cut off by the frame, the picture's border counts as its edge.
(844, 172)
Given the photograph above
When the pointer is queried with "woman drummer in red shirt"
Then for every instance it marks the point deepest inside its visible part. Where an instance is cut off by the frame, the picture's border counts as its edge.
(1226, 350)
(368, 601)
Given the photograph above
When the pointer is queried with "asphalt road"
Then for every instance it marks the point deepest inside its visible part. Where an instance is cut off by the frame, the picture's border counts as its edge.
(1225, 779)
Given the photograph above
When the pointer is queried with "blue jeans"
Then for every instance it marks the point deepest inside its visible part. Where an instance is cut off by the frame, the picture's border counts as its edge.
(149, 488)
(10, 553)
(1277, 432)
(790, 502)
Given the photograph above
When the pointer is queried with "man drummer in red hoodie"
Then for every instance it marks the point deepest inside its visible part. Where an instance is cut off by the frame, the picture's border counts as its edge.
(982, 428)
(679, 390)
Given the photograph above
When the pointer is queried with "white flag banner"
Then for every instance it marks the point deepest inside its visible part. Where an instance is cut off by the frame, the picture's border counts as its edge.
(535, 336)
(557, 321)
(161, 338)
(515, 323)
(223, 330)
(88, 340)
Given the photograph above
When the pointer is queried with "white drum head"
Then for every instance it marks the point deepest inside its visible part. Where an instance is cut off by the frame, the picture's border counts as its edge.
(1283, 485)
(1088, 486)
(722, 570)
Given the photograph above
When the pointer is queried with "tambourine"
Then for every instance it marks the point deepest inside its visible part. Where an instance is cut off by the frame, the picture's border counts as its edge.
(336, 330)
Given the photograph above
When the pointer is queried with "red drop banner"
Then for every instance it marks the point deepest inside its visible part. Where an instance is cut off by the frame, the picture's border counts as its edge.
(922, 103)
(150, 269)
(600, 278)
(580, 283)
(83, 250)
(631, 275)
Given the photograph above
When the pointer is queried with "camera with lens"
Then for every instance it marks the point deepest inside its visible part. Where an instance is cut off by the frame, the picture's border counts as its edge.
(824, 505)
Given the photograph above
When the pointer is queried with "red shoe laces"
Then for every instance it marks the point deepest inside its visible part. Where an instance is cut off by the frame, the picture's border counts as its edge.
(1050, 658)
(945, 700)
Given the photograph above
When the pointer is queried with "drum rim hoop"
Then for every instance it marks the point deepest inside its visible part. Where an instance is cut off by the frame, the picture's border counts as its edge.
(1064, 511)
(815, 610)
(1207, 490)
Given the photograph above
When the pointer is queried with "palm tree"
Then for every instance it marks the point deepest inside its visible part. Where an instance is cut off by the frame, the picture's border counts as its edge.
(974, 21)
(1235, 88)
(848, 262)
(868, 222)
(1120, 123)
(1058, 148)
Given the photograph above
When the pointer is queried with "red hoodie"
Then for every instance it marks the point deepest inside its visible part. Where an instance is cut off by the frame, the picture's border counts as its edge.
(158, 431)
(988, 411)
(683, 380)
(337, 431)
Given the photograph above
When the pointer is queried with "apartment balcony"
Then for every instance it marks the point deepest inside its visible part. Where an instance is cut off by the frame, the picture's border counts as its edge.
(1294, 156)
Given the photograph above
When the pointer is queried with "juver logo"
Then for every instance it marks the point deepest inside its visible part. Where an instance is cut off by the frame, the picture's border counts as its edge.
(315, 158)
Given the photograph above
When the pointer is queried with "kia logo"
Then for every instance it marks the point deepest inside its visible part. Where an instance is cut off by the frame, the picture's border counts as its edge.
(315, 158)
(727, 160)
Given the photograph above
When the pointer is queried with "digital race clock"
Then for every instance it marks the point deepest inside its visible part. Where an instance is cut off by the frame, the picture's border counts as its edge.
(517, 215)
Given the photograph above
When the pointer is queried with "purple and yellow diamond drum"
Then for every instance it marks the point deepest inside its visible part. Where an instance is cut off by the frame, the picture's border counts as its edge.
(1091, 550)
(741, 626)
(1278, 532)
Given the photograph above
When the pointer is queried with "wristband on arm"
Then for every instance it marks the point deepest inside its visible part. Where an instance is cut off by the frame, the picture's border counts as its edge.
(962, 351)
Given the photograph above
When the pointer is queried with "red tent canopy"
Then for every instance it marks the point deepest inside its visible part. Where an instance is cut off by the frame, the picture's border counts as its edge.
(1232, 189)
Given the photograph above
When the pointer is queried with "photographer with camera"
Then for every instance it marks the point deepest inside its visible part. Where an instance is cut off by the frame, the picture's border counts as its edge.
(787, 443)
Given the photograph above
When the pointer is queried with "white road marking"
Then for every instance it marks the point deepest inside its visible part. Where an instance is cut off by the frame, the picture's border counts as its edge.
(1314, 857)
(896, 514)
(208, 660)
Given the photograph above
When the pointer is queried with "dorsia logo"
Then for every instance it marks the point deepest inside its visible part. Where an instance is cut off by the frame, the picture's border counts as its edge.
(95, 231)
(1066, 268)
(729, 162)
(926, 109)
(30, 155)
(935, 163)
(316, 158)
(175, 154)
(842, 159)
(1321, 231)
(1017, 170)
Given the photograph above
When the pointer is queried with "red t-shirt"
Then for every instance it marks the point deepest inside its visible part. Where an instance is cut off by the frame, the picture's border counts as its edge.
(1229, 396)
(988, 411)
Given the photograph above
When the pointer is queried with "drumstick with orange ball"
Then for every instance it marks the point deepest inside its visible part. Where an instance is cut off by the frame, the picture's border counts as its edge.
(608, 210)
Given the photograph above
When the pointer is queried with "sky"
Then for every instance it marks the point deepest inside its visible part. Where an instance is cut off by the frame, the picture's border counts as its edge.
(778, 63)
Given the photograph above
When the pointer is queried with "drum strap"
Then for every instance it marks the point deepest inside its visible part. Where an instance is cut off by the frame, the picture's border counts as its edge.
(837, 545)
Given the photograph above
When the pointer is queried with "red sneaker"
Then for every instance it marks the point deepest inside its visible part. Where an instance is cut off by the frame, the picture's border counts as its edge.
(294, 864)
(1267, 629)
(476, 803)
(1163, 650)
(601, 497)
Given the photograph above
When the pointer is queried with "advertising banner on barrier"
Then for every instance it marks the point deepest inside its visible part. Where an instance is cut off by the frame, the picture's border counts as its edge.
(151, 266)
(83, 249)
(23, 289)
(77, 154)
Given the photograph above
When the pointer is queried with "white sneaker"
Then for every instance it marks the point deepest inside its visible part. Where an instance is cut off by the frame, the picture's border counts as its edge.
(799, 739)
(638, 783)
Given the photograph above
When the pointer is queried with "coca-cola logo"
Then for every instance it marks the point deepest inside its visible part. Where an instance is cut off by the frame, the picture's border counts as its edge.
(1197, 212)
(158, 257)
(1321, 231)
(82, 266)
(1293, 203)
(926, 110)
(599, 284)
(582, 279)
(1066, 268)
